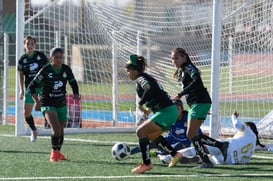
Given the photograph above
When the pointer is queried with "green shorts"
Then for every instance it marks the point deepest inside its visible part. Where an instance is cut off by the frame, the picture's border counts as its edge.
(199, 111)
(165, 117)
(61, 111)
(28, 98)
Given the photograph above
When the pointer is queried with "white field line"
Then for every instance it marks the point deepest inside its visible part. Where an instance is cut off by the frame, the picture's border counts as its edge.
(138, 176)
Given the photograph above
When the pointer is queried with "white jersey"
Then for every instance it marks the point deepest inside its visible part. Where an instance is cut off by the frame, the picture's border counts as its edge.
(241, 146)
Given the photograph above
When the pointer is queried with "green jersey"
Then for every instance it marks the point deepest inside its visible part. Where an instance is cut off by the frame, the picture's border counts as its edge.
(53, 85)
(31, 64)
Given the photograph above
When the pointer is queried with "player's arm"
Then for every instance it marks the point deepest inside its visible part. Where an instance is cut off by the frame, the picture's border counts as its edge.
(195, 76)
(31, 89)
(237, 123)
(148, 90)
(74, 84)
(21, 84)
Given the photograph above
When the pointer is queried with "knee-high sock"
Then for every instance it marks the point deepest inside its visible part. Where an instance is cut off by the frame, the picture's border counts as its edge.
(55, 142)
(30, 122)
(200, 149)
(210, 141)
(61, 141)
(145, 151)
(162, 143)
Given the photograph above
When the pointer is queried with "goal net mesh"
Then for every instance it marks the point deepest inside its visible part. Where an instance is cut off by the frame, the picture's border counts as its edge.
(94, 33)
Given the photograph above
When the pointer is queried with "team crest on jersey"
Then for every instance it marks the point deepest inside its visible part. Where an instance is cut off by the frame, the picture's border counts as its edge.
(25, 60)
(38, 57)
(64, 75)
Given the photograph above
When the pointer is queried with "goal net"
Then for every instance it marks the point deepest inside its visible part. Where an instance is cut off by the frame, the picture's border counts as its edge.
(98, 36)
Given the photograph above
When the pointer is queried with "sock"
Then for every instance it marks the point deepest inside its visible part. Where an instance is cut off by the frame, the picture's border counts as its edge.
(145, 151)
(55, 140)
(61, 141)
(30, 122)
(135, 150)
(162, 143)
(210, 141)
(200, 149)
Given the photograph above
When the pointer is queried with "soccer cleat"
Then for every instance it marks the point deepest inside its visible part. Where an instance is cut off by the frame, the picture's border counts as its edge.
(185, 160)
(61, 156)
(224, 150)
(175, 159)
(205, 165)
(54, 156)
(165, 159)
(153, 152)
(33, 135)
(141, 168)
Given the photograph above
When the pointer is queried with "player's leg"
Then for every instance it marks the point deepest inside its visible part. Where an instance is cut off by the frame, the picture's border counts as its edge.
(51, 116)
(142, 132)
(62, 117)
(194, 125)
(197, 115)
(28, 106)
(223, 146)
(164, 119)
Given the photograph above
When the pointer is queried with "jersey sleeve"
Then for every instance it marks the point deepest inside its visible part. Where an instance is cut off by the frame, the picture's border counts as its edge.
(72, 80)
(237, 124)
(20, 64)
(195, 76)
(148, 90)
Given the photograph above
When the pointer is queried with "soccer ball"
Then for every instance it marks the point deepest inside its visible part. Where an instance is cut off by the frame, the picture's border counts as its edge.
(121, 151)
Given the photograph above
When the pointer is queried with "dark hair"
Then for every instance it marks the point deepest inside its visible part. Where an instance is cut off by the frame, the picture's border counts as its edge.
(254, 129)
(29, 38)
(136, 62)
(182, 52)
(55, 50)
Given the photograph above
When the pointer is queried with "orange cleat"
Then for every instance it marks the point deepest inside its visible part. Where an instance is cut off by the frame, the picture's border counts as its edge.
(141, 168)
(61, 156)
(54, 156)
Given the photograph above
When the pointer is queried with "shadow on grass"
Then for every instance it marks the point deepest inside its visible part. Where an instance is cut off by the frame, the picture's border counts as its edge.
(29, 152)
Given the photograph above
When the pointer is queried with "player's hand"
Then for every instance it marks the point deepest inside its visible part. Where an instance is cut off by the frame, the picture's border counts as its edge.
(21, 95)
(147, 112)
(236, 114)
(77, 97)
(37, 106)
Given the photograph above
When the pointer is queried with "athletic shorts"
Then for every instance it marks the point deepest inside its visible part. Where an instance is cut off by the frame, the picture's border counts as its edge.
(28, 98)
(199, 111)
(165, 117)
(61, 111)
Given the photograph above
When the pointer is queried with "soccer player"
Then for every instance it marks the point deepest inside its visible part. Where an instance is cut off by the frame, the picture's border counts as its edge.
(241, 146)
(199, 102)
(152, 99)
(28, 66)
(177, 134)
(52, 102)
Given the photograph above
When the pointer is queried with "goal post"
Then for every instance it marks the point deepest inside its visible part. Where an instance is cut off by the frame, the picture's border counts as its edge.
(229, 41)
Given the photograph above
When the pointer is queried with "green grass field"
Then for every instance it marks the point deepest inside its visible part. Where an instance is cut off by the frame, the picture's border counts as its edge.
(90, 159)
